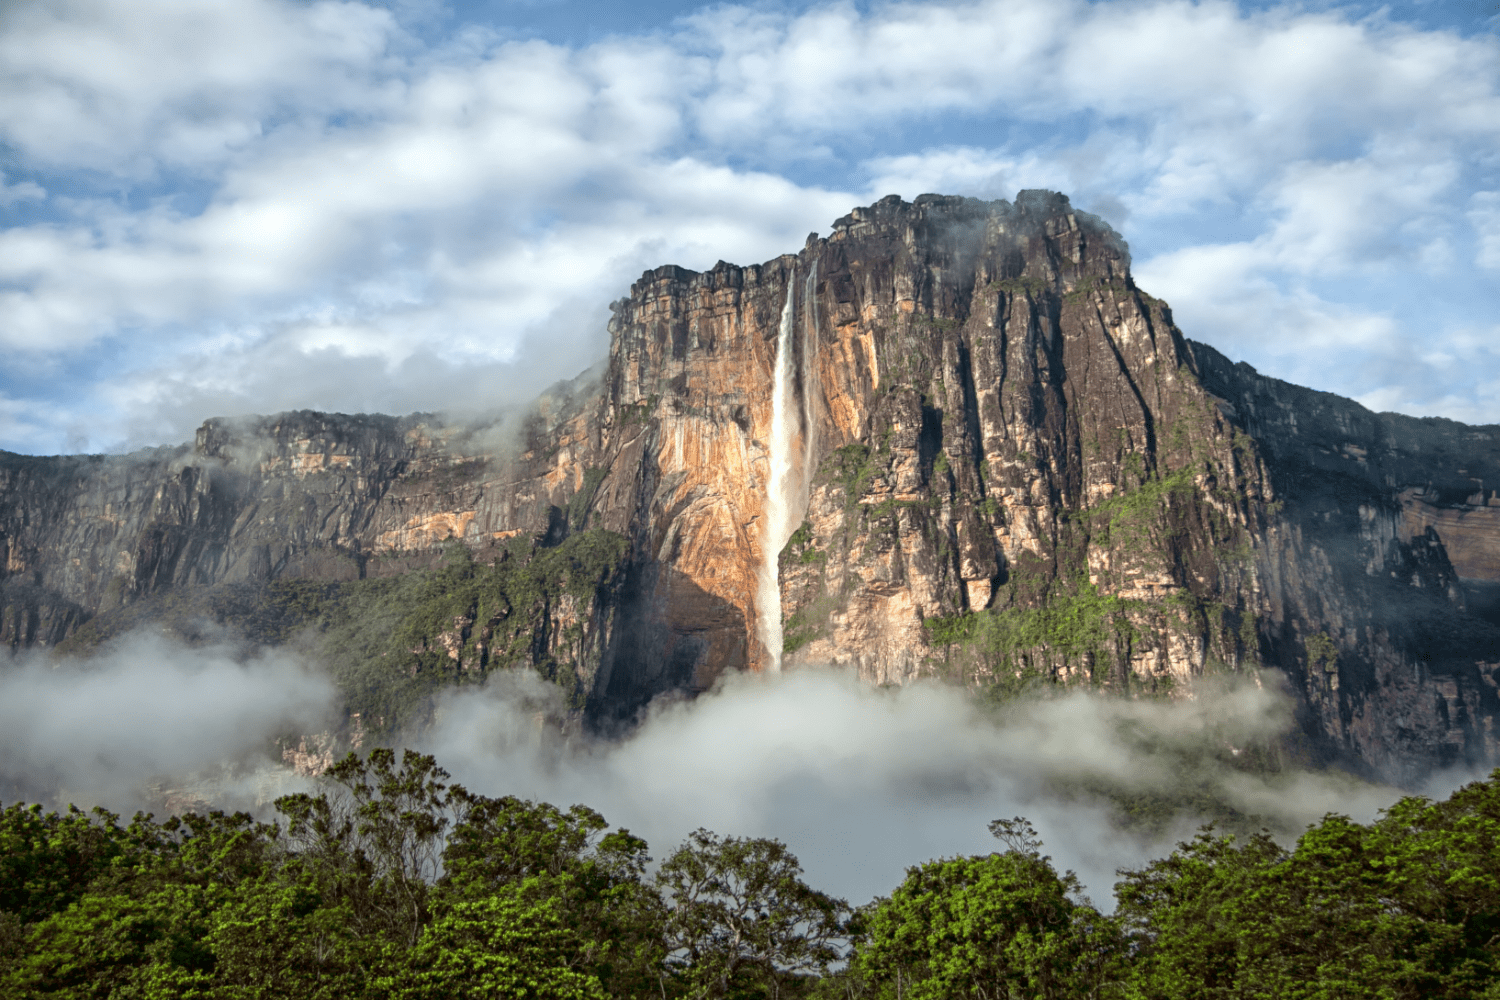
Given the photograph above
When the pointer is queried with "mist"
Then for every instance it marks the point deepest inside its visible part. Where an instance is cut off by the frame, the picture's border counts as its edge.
(860, 782)
(863, 782)
(150, 723)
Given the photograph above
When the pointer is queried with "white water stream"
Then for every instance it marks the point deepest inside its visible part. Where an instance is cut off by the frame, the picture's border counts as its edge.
(784, 490)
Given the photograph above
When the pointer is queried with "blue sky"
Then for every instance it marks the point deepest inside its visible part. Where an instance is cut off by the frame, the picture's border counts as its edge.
(213, 207)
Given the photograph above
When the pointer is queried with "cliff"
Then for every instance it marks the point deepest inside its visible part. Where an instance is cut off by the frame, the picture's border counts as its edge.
(951, 439)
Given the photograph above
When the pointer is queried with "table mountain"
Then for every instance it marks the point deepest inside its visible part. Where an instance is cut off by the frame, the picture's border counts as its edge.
(951, 439)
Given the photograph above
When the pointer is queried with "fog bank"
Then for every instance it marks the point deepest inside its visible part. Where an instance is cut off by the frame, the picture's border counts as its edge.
(863, 782)
(151, 723)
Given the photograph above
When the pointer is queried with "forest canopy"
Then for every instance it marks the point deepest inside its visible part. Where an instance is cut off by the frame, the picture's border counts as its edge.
(389, 881)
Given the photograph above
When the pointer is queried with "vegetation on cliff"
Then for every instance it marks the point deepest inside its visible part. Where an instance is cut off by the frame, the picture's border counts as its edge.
(392, 642)
(390, 882)
(1079, 623)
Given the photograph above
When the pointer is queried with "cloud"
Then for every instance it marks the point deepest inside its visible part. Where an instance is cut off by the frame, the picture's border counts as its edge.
(313, 189)
(978, 172)
(1485, 218)
(11, 194)
(1457, 376)
(1224, 289)
(132, 89)
(149, 713)
(862, 782)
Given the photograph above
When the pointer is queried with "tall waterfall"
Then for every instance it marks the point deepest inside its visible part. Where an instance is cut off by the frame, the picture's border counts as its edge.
(784, 489)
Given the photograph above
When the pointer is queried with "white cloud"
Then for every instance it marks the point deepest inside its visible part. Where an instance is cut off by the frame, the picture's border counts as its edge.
(979, 173)
(862, 782)
(359, 196)
(145, 710)
(1223, 289)
(1484, 216)
(1454, 374)
(11, 194)
(1384, 207)
(131, 88)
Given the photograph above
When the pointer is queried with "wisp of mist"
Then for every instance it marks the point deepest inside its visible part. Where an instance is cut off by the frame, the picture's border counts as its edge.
(860, 782)
(148, 714)
(863, 782)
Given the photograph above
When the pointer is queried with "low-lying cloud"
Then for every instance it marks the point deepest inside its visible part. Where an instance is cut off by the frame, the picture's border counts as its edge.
(862, 782)
(152, 723)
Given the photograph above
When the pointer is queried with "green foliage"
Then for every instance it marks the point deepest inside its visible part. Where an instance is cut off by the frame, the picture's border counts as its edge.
(595, 879)
(1082, 290)
(742, 916)
(1083, 621)
(48, 860)
(852, 467)
(1031, 287)
(806, 624)
(941, 323)
(388, 883)
(638, 412)
(580, 503)
(387, 640)
(996, 925)
(1128, 517)
(1249, 634)
(794, 639)
(507, 944)
(1407, 907)
(381, 636)
(800, 547)
(374, 841)
(280, 937)
(1322, 654)
(112, 945)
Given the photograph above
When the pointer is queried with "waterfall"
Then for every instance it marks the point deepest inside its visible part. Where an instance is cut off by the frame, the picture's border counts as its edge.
(783, 489)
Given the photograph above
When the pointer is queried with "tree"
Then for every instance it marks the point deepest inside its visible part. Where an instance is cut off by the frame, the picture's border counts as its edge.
(997, 925)
(506, 944)
(375, 841)
(505, 840)
(278, 937)
(1408, 907)
(1172, 912)
(113, 945)
(48, 860)
(738, 908)
(595, 879)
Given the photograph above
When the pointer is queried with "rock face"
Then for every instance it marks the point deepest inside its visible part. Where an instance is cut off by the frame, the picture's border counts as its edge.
(1005, 460)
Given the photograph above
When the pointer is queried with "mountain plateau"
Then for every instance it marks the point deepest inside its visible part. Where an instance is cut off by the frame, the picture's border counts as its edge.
(952, 439)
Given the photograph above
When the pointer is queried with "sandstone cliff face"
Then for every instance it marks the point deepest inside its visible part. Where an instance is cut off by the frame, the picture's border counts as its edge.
(1005, 461)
